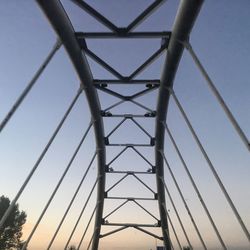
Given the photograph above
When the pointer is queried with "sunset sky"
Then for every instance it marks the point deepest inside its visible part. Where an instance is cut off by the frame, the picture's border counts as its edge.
(220, 38)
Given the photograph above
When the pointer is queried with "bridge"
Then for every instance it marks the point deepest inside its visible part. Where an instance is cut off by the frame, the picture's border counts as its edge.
(122, 137)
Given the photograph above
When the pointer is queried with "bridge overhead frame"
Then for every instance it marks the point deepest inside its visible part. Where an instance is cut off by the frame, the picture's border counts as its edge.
(185, 18)
(174, 42)
(75, 45)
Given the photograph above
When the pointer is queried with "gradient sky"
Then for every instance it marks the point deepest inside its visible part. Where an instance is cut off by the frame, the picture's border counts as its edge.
(221, 39)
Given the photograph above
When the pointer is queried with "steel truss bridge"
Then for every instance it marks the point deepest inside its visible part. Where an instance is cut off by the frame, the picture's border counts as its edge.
(164, 227)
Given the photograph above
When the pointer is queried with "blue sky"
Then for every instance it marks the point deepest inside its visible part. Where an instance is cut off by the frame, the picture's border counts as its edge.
(221, 39)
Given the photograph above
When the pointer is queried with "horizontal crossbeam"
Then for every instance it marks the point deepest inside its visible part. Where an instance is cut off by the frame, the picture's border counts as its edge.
(126, 81)
(131, 198)
(137, 35)
(130, 224)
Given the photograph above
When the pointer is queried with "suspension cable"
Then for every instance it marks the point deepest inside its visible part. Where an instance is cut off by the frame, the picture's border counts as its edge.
(30, 85)
(184, 202)
(91, 217)
(11, 207)
(173, 228)
(56, 188)
(223, 189)
(177, 214)
(217, 95)
(71, 202)
(195, 187)
(80, 216)
(90, 241)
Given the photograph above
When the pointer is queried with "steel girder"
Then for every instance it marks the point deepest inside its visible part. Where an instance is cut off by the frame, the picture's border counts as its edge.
(185, 18)
(59, 20)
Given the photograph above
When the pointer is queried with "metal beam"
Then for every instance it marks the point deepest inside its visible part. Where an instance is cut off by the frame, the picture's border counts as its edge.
(125, 172)
(148, 62)
(30, 85)
(102, 63)
(98, 16)
(127, 81)
(131, 225)
(39, 160)
(113, 231)
(59, 20)
(147, 12)
(136, 35)
(185, 18)
(149, 233)
(131, 198)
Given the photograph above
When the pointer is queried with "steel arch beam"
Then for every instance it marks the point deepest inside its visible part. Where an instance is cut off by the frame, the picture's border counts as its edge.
(185, 18)
(59, 20)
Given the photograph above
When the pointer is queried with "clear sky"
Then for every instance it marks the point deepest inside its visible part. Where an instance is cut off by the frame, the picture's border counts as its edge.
(221, 39)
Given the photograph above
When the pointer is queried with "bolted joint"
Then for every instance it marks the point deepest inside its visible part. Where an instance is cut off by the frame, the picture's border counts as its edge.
(105, 113)
(156, 196)
(81, 41)
(164, 42)
(153, 169)
(105, 194)
(128, 116)
(108, 114)
(106, 140)
(150, 114)
(149, 85)
(103, 85)
(153, 114)
(159, 223)
(126, 79)
(58, 43)
(122, 31)
(127, 98)
(106, 168)
(152, 141)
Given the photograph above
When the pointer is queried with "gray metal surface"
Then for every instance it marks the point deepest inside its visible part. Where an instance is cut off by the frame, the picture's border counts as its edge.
(127, 88)
(62, 26)
(182, 27)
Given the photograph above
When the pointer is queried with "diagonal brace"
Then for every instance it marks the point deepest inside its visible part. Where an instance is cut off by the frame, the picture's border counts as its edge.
(113, 231)
(147, 232)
